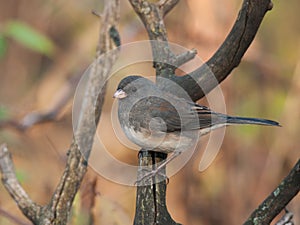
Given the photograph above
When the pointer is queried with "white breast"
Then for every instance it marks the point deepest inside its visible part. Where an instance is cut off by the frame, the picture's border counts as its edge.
(165, 142)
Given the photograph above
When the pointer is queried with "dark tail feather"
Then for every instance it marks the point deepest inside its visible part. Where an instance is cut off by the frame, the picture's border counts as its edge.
(245, 120)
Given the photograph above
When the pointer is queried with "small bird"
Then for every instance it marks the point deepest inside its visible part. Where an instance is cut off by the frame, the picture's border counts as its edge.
(160, 121)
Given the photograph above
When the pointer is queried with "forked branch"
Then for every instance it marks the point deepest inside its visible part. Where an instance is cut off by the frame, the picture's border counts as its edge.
(199, 82)
(58, 209)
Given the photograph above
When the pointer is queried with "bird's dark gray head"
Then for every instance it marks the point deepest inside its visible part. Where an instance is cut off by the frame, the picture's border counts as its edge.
(129, 85)
(127, 80)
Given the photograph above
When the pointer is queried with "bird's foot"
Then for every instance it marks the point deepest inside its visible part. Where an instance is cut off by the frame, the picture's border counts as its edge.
(151, 177)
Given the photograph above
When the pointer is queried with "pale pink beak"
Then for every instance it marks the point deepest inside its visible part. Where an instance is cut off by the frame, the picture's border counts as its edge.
(120, 94)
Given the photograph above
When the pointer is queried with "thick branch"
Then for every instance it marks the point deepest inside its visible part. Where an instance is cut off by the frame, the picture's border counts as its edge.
(218, 67)
(204, 79)
(278, 199)
(152, 15)
(151, 205)
(150, 200)
(152, 18)
(230, 53)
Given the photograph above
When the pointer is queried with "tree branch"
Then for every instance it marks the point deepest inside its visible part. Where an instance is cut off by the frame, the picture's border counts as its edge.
(230, 53)
(60, 100)
(167, 5)
(152, 17)
(227, 57)
(278, 199)
(151, 205)
(58, 210)
(185, 57)
(14, 188)
(200, 82)
(86, 128)
(150, 200)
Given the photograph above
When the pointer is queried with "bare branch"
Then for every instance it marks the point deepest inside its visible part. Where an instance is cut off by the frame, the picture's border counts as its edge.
(62, 97)
(95, 13)
(230, 53)
(84, 135)
(150, 200)
(152, 18)
(185, 57)
(226, 58)
(167, 5)
(151, 205)
(58, 210)
(12, 185)
(59, 102)
(278, 199)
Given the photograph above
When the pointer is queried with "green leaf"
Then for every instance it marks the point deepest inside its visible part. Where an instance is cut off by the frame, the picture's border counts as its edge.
(21, 176)
(29, 37)
(3, 45)
(3, 112)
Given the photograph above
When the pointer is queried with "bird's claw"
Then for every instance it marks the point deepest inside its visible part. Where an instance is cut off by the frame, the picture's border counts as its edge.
(151, 177)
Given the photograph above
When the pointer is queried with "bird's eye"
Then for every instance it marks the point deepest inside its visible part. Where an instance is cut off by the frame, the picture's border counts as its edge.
(134, 89)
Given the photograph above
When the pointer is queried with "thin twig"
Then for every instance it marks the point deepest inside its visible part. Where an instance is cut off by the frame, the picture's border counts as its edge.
(60, 100)
(14, 188)
(95, 13)
(185, 57)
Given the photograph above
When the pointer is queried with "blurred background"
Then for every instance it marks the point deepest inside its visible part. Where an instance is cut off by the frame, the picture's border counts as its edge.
(46, 45)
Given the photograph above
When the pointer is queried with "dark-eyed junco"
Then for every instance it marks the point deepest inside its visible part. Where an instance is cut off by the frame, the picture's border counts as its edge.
(157, 120)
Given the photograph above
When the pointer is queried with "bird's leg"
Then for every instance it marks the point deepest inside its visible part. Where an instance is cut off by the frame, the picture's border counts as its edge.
(154, 172)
